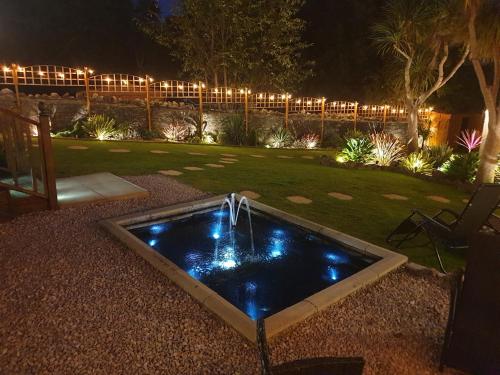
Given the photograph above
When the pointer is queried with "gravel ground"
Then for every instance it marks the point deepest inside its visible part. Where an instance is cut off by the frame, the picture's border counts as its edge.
(75, 301)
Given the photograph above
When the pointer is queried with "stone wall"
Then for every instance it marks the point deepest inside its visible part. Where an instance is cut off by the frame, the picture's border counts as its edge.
(66, 109)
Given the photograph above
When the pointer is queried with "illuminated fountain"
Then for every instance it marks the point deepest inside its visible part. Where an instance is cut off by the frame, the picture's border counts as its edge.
(229, 260)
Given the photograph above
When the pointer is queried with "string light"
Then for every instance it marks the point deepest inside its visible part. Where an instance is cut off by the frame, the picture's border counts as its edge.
(6, 69)
(165, 84)
(229, 92)
(40, 73)
(195, 86)
(91, 71)
(108, 80)
(319, 101)
(141, 80)
(283, 96)
(271, 97)
(393, 111)
(298, 101)
(249, 91)
(202, 85)
(365, 107)
(309, 102)
(401, 111)
(216, 90)
(20, 69)
(181, 87)
(125, 82)
(342, 105)
(61, 75)
(79, 72)
(151, 79)
(260, 96)
(242, 91)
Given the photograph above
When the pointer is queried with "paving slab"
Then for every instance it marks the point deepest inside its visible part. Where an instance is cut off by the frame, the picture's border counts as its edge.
(284, 157)
(307, 157)
(119, 150)
(229, 155)
(95, 187)
(226, 162)
(257, 156)
(170, 172)
(250, 194)
(214, 165)
(229, 159)
(197, 153)
(78, 147)
(438, 198)
(193, 168)
(159, 152)
(340, 196)
(395, 197)
(299, 199)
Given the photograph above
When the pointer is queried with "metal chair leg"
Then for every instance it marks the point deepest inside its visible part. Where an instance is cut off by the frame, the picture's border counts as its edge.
(437, 252)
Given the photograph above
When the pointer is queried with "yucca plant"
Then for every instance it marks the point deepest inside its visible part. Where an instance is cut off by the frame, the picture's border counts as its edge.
(470, 140)
(418, 162)
(100, 127)
(357, 150)
(386, 151)
(308, 141)
(437, 155)
(280, 138)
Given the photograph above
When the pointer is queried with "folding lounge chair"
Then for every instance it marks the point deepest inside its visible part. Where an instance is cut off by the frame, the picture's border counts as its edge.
(312, 366)
(454, 233)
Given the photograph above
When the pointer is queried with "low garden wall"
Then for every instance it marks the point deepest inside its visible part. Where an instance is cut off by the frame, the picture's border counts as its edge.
(66, 109)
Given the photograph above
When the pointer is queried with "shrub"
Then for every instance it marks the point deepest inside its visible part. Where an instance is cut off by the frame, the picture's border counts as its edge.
(387, 149)
(332, 139)
(308, 141)
(418, 162)
(77, 131)
(233, 130)
(280, 138)
(353, 133)
(149, 134)
(462, 167)
(100, 127)
(357, 150)
(175, 132)
(437, 155)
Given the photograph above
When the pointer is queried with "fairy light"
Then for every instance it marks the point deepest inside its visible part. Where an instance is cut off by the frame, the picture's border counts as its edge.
(61, 75)
(216, 91)
(107, 79)
(289, 96)
(91, 71)
(249, 91)
(125, 82)
(181, 86)
(79, 72)
(401, 111)
(393, 111)
(151, 79)
(261, 96)
(271, 97)
(342, 105)
(6, 69)
(165, 84)
(283, 97)
(431, 109)
(141, 80)
(229, 92)
(298, 101)
(309, 102)
(20, 69)
(365, 107)
(242, 91)
(40, 73)
(319, 101)
(195, 86)
(203, 86)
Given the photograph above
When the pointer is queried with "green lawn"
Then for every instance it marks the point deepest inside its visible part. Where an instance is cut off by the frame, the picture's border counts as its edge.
(368, 216)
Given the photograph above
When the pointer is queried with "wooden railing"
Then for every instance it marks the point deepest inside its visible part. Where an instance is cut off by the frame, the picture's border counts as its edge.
(26, 159)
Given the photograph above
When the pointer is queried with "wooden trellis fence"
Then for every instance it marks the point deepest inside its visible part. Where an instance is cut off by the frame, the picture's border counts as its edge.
(131, 86)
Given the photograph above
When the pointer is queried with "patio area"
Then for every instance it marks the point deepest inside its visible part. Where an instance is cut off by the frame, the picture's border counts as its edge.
(75, 300)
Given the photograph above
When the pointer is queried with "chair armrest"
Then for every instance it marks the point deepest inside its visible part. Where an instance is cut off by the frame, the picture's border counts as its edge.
(432, 220)
(446, 211)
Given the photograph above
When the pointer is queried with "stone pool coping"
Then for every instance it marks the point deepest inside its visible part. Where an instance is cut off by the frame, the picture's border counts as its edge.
(225, 310)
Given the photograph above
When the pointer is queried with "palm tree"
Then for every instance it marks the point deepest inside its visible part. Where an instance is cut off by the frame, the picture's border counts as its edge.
(483, 27)
(422, 35)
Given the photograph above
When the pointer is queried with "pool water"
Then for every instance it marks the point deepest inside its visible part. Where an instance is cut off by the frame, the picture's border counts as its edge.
(284, 265)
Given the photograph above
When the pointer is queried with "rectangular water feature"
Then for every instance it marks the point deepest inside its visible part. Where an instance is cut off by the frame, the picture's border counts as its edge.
(284, 270)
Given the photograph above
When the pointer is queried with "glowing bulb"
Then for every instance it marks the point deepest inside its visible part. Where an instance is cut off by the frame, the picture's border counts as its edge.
(202, 85)
(242, 91)
(271, 97)
(393, 111)
(430, 109)
(283, 96)
(79, 72)
(260, 96)
(216, 90)
(165, 85)
(374, 108)
(41, 74)
(195, 86)
(401, 111)
(91, 71)
(151, 79)
(125, 82)
(108, 80)
(334, 103)
(365, 107)
(318, 101)
(309, 102)
(61, 75)
(6, 69)
(249, 91)
(20, 69)
(216, 235)
(298, 101)
(152, 242)
(181, 87)
(141, 80)
(229, 92)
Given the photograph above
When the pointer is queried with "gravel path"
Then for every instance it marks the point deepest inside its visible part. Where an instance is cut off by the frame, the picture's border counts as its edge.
(74, 301)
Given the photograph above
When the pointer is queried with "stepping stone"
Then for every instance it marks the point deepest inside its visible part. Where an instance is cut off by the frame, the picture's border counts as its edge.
(465, 200)
(197, 153)
(250, 194)
(340, 196)
(119, 150)
(257, 156)
(299, 199)
(285, 157)
(214, 165)
(170, 172)
(78, 147)
(229, 155)
(226, 162)
(159, 152)
(229, 159)
(307, 157)
(193, 168)
(395, 197)
(438, 198)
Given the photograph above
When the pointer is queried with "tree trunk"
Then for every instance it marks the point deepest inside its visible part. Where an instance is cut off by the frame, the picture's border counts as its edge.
(491, 148)
(412, 127)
